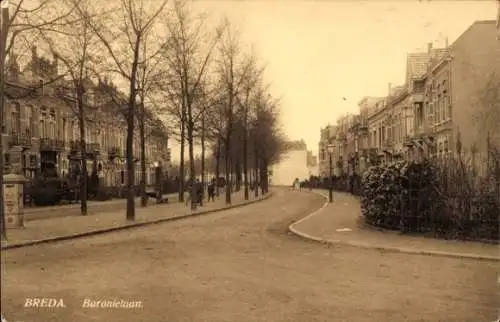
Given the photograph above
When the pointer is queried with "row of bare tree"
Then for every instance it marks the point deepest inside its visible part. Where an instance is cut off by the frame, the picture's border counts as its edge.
(216, 97)
(200, 78)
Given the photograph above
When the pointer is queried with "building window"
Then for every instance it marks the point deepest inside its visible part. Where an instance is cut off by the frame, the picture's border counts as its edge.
(447, 107)
(439, 108)
(430, 113)
(75, 129)
(29, 119)
(42, 129)
(16, 118)
(43, 123)
(33, 161)
(64, 126)
(52, 124)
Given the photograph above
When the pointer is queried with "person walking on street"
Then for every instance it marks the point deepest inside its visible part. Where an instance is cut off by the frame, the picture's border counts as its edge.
(211, 190)
(199, 192)
(188, 190)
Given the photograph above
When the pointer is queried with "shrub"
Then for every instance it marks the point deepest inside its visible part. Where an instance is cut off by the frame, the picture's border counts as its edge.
(381, 192)
(103, 194)
(428, 197)
(46, 191)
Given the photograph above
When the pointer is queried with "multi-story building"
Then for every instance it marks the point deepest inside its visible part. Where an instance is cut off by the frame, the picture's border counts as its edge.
(448, 91)
(377, 117)
(327, 136)
(462, 94)
(345, 144)
(42, 134)
(363, 131)
(475, 86)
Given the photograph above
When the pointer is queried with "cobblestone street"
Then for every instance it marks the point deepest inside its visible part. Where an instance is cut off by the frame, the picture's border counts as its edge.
(241, 265)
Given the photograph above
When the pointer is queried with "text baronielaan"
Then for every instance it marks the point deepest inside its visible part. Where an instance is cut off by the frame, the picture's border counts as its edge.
(111, 304)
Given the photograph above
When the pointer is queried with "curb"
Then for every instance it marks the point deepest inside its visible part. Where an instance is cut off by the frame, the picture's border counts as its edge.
(380, 248)
(367, 226)
(132, 225)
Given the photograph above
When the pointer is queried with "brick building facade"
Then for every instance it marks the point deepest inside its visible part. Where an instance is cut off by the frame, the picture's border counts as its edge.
(41, 128)
(448, 91)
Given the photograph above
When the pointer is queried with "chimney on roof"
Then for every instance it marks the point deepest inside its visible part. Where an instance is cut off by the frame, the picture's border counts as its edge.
(389, 88)
(446, 42)
(429, 47)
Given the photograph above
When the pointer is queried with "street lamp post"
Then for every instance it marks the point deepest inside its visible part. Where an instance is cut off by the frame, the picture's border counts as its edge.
(330, 148)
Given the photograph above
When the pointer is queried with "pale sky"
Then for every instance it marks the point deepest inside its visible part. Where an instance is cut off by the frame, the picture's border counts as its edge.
(318, 52)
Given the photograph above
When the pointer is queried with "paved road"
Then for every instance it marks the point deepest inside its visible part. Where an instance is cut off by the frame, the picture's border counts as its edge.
(240, 265)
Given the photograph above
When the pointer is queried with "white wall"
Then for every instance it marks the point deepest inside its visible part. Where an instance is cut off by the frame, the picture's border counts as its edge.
(293, 165)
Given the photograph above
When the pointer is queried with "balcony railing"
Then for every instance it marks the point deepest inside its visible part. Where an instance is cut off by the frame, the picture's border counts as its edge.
(115, 152)
(60, 145)
(75, 145)
(90, 148)
(22, 140)
(93, 148)
(388, 144)
(48, 144)
(423, 129)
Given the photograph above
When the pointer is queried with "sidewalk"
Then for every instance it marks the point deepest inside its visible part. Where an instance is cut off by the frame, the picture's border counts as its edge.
(338, 222)
(36, 213)
(60, 228)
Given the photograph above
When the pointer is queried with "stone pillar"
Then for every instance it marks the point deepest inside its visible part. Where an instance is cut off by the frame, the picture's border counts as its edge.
(13, 200)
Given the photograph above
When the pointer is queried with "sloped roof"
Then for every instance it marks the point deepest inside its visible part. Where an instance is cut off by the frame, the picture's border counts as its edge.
(418, 63)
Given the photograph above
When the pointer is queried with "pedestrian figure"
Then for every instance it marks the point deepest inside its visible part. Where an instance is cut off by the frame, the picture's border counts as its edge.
(189, 191)
(199, 192)
(211, 190)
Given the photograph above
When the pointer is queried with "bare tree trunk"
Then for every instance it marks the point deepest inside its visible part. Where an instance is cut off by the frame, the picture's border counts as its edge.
(83, 151)
(130, 169)
(144, 200)
(192, 171)
(217, 167)
(256, 175)
(202, 156)
(245, 156)
(237, 172)
(130, 135)
(228, 169)
(264, 176)
(181, 165)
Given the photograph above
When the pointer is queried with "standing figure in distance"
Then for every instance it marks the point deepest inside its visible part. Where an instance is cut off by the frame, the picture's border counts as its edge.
(211, 190)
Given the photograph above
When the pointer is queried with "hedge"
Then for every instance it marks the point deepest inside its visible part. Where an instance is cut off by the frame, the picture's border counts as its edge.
(407, 196)
(415, 197)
